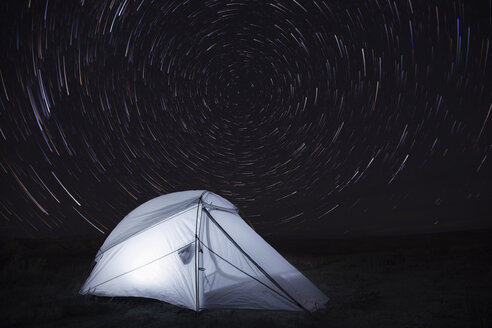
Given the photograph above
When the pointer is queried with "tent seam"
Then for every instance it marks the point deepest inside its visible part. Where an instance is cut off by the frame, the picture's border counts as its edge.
(148, 228)
(143, 265)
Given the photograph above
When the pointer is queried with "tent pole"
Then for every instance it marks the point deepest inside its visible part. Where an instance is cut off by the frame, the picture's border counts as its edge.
(197, 248)
(197, 299)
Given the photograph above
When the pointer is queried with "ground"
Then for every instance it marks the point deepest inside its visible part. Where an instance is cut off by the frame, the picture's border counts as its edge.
(441, 280)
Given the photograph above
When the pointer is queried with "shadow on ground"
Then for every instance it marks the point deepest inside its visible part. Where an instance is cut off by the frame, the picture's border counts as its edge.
(440, 280)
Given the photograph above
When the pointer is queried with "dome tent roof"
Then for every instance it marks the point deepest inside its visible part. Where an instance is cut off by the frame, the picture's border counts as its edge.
(157, 210)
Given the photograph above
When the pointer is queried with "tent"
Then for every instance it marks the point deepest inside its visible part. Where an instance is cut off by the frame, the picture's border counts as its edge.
(193, 250)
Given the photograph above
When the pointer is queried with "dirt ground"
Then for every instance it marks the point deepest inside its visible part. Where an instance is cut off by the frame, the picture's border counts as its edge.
(442, 280)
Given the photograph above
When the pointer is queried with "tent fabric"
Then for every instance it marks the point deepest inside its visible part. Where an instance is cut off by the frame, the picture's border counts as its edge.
(192, 249)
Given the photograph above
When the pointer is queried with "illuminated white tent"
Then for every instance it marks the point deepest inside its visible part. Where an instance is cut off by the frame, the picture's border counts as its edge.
(192, 249)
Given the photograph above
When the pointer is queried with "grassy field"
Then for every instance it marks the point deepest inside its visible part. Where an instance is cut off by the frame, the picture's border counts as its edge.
(440, 280)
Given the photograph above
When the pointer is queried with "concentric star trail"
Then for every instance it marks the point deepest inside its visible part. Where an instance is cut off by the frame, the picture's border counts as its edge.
(313, 114)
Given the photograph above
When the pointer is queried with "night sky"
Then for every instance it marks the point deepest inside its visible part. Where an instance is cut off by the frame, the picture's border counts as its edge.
(316, 118)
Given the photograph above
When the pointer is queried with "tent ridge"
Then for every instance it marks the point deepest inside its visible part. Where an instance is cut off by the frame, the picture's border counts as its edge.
(220, 208)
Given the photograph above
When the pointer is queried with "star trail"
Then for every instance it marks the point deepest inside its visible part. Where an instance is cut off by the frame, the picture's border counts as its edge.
(313, 116)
